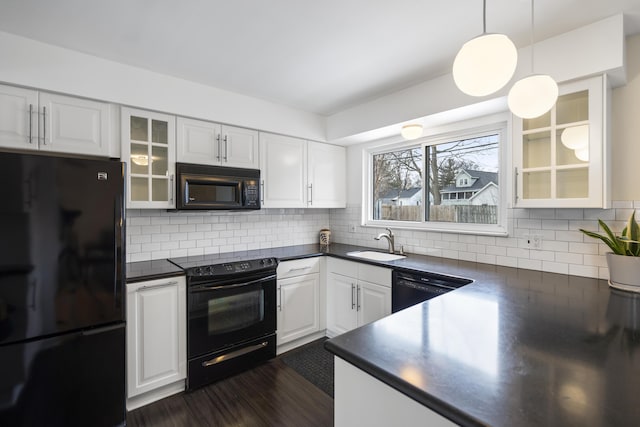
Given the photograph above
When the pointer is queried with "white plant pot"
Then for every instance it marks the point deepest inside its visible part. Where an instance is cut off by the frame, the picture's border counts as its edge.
(624, 272)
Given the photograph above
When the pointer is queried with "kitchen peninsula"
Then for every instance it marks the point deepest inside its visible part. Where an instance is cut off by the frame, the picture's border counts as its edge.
(516, 348)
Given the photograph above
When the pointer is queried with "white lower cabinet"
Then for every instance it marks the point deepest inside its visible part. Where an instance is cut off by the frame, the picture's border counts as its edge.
(357, 294)
(156, 340)
(300, 297)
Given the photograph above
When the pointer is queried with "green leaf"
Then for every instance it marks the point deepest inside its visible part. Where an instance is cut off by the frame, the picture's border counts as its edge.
(613, 244)
(632, 233)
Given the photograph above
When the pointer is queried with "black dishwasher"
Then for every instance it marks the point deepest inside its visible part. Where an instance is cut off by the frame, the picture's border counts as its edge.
(410, 288)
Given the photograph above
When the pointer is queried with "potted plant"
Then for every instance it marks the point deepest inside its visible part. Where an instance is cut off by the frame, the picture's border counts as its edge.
(624, 259)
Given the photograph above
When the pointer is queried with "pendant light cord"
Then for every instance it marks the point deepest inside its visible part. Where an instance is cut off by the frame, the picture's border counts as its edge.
(484, 16)
(532, 48)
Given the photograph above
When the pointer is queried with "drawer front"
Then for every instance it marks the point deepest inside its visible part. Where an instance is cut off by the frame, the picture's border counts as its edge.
(342, 267)
(374, 274)
(298, 267)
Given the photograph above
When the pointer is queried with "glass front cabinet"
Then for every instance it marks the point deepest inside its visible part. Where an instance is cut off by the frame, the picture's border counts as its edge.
(148, 148)
(561, 158)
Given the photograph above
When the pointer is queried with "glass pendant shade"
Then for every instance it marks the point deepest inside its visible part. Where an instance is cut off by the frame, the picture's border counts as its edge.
(533, 96)
(575, 137)
(411, 131)
(582, 154)
(485, 64)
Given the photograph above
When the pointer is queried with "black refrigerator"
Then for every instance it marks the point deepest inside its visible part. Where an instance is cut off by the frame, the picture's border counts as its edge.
(62, 325)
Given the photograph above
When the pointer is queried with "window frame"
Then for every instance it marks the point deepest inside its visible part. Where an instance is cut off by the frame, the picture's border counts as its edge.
(495, 124)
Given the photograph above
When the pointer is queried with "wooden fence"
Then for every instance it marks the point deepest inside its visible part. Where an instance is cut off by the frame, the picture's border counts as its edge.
(467, 214)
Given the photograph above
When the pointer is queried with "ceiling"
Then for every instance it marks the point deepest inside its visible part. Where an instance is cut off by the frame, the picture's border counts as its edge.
(317, 56)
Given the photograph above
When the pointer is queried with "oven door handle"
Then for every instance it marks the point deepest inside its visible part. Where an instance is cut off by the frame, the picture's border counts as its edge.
(237, 285)
(234, 354)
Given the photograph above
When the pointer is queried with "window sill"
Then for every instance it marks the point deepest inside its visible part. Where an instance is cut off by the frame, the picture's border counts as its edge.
(442, 227)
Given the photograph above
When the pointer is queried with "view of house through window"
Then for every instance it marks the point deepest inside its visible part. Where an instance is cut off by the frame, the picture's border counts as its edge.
(453, 181)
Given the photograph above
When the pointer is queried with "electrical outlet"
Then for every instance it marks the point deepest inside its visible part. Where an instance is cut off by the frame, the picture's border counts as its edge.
(534, 241)
(352, 228)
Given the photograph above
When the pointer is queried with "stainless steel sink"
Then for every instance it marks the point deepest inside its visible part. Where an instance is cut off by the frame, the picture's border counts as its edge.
(375, 256)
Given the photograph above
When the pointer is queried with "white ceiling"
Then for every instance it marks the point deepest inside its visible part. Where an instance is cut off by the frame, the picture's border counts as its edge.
(320, 56)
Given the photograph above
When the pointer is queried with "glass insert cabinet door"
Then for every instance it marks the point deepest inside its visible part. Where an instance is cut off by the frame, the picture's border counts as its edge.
(561, 157)
(148, 147)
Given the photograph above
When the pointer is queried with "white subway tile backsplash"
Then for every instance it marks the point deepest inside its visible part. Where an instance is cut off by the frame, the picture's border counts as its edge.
(156, 234)
(622, 204)
(507, 261)
(583, 248)
(138, 220)
(555, 224)
(569, 258)
(529, 264)
(542, 214)
(555, 267)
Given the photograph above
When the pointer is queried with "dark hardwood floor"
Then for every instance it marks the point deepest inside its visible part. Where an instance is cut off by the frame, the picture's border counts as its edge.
(271, 394)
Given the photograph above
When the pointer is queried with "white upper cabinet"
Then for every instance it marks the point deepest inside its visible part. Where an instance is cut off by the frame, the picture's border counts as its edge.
(561, 158)
(240, 147)
(18, 118)
(299, 174)
(208, 143)
(32, 120)
(198, 142)
(148, 148)
(326, 176)
(283, 168)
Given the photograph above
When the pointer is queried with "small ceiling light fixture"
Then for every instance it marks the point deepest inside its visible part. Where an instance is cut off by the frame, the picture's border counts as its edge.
(486, 63)
(140, 160)
(411, 131)
(534, 95)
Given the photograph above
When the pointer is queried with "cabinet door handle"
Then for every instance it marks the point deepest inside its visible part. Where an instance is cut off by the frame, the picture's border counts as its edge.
(515, 183)
(358, 298)
(218, 141)
(30, 123)
(171, 189)
(44, 125)
(298, 269)
(311, 194)
(353, 302)
(225, 148)
(162, 285)
(279, 298)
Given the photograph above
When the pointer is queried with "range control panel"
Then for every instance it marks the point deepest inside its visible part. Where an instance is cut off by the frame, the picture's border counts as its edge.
(228, 268)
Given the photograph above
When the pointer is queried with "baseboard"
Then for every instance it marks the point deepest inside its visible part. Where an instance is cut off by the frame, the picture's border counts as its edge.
(155, 395)
(283, 348)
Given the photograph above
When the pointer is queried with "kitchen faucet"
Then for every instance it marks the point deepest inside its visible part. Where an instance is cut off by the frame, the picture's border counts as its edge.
(389, 236)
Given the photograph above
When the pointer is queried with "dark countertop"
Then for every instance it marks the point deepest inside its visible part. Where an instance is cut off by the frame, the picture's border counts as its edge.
(149, 270)
(515, 348)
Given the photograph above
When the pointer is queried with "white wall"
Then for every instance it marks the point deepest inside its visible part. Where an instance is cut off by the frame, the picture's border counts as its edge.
(626, 128)
(34, 64)
(564, 249)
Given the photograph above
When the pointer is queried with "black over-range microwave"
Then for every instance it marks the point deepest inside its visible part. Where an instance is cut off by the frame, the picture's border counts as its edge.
(216, 187)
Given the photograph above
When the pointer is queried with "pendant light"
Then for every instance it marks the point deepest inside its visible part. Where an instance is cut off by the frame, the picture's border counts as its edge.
(534, 95)
(486, 63)
(411, 131)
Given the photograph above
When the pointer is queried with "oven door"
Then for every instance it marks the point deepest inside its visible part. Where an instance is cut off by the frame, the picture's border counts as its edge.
(228, 313)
